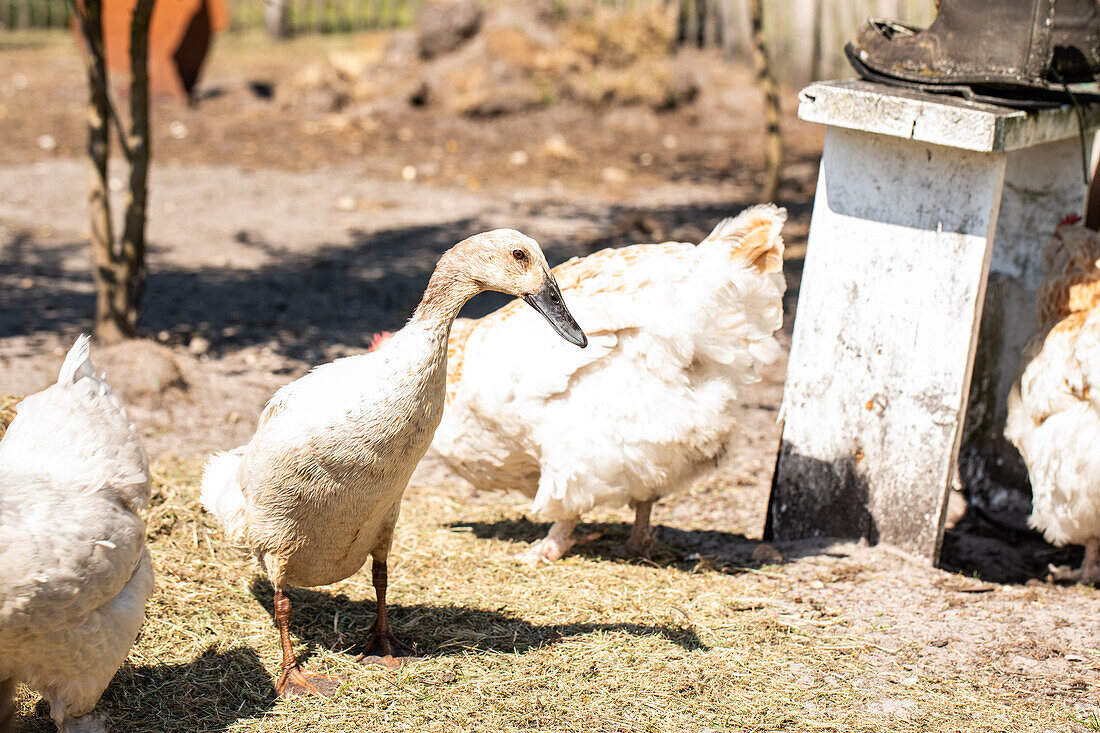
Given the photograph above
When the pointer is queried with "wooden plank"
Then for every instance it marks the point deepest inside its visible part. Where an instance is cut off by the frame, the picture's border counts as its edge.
(884, 339)
(937, 118)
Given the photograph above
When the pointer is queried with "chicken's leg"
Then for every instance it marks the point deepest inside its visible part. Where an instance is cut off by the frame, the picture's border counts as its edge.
(641, 537)
(1090, 567)
(558, 541)
(295, 681)
(384, 648)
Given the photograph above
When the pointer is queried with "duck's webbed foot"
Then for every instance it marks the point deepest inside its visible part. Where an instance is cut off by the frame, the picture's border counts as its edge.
(387, 651)
(297, 682)
(559, 540)
(383, 648)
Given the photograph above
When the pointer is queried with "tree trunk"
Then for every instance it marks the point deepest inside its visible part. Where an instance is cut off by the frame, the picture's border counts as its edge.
(109, 327)
(118, 268)
(131, 261)
(773, 147)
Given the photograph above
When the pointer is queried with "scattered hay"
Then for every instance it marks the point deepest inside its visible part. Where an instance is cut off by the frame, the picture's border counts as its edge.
(7, 411)
(593, 643)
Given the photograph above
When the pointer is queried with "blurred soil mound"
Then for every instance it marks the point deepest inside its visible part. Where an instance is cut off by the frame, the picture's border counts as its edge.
(141, 372)
(475, 62)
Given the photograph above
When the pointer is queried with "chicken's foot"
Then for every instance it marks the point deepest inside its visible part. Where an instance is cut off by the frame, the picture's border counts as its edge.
(558, 541)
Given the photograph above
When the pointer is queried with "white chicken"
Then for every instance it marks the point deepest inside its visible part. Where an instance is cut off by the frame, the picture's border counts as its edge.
(675, 331)
(74, 569)
(1054, 407)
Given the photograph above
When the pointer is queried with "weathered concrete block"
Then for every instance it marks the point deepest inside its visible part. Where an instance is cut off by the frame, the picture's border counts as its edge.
(920, 199)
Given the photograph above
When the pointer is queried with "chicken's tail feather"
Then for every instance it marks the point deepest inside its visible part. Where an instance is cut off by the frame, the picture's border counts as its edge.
(222, 495)
(737, 291)
(78, 362)
(753, 237)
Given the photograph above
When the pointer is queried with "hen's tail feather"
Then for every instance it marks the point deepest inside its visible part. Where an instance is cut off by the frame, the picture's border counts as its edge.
(222, 495)
(78, 362)
(753, 236)
(739, 308)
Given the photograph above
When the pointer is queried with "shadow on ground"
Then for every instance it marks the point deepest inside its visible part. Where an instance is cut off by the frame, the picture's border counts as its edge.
(975, 546)
(343, 625)
(980, 546)
(686, 550)
(303, 303)
(210, 693)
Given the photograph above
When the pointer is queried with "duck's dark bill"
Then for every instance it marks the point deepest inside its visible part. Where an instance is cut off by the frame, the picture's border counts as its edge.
(551, 305)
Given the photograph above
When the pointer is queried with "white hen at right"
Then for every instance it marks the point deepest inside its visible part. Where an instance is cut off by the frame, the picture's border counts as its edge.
(675, 332)
(1054, 407)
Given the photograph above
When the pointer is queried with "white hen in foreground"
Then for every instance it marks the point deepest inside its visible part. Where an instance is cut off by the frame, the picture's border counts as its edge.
(1054, 408)
(675, 331)
(74, 569)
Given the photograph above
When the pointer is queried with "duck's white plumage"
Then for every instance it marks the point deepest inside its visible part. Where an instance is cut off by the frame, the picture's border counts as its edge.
(1054, 408)
(319, 485)
(74, 569)
(675, 332)
(317, 489)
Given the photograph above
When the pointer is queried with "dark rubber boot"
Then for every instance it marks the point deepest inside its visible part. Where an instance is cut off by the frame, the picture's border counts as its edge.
(1002, 47)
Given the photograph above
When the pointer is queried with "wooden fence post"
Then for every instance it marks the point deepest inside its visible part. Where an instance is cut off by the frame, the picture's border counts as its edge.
(773, 145)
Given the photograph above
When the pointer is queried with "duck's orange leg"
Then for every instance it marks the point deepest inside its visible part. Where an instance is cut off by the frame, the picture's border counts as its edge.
(384, 648)
(295, 681)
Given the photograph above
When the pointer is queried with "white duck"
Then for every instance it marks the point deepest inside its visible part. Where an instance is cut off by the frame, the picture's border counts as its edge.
(1054, 408)
(318, 487)
(74, 569)
(648, 407)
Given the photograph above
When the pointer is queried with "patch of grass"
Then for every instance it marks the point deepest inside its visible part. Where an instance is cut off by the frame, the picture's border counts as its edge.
(1090, 722)
(593, 643)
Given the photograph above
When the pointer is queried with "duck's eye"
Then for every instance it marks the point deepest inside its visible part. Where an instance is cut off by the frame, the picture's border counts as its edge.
(519, 254)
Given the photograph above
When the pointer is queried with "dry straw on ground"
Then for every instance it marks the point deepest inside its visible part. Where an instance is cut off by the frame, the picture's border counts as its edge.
(595, 643)
(7, 410)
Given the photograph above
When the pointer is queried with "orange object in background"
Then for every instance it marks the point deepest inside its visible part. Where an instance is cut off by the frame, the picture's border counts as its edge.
(179, 37)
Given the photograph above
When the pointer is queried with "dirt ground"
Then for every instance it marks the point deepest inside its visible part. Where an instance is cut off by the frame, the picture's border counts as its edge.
(282, 236)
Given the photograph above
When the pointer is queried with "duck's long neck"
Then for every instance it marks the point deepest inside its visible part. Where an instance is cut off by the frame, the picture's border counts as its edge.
(447, 291)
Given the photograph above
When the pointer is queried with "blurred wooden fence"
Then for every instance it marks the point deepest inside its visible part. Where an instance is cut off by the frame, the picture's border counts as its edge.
(24, 14)
(806, 37)
(305, 16)
(327, 16)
